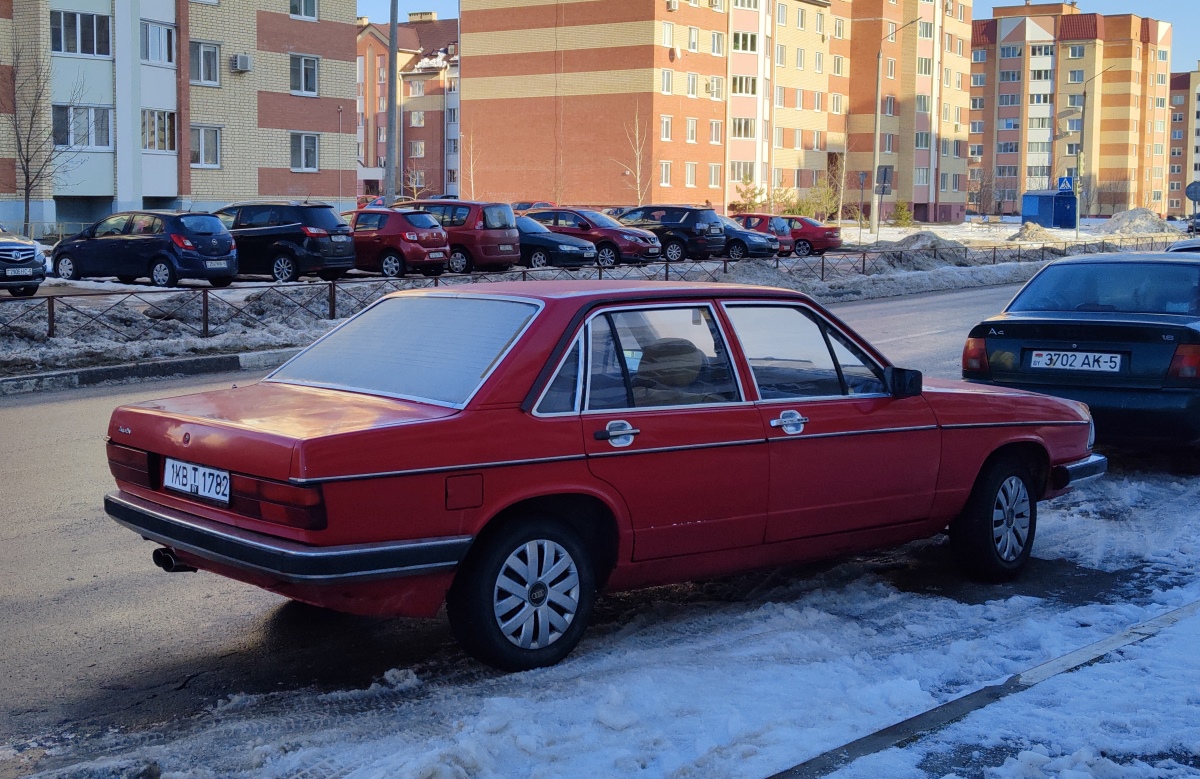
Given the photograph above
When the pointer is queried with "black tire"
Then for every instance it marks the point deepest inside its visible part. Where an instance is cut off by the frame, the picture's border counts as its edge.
(460, 261)
(220, 282)
(27, 291)
(803, 248)
(126, 279)
(283, 268)
(475, 605)
(392, 265)
(162, 274)
(674, 251)
(539, 259)
(737, 250)
(993, 537)
(65, 268)
(608, 255)
(433, 272)
(330, 275)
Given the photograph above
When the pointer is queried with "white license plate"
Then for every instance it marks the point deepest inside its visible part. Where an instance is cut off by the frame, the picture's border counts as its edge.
(589, 255)
(211, 483)
(214, 263)
(20, 271)
(652, 250)
(1077, 361)
(340, 238)
(436, 255)
(506, 247)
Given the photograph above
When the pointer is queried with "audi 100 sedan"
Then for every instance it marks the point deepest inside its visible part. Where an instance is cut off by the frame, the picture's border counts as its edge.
(576, 437)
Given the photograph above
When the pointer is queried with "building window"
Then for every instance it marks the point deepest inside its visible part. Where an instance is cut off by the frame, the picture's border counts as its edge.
(668, 29)
(778, 139)
(818, 100)
(451, 175)
(693, 39)
(381, 103)
(451, 116)
(1010, 75)
(714, 175)
(689, 174)
(1039, 147)
(158, 43)
(741, 171)
(416, 119)
(921, 177)
(158, 130)
(691, 130)
(203, 59)
(664, 173)
(718, 44)
(1039, 98)
(742, 128)
(891, 68)
(714, 131)
(924, 66)
(452, 146)
(716, 88)
(1010, 52)
(1043, 74)
(978, 79)
(1041, 50)
(381, 134)
(206, 147)
(799, 99)
(416, 149)
(1012, 99)
(780, 55)
(745, 85)
(1075, 52)
(305, 9)
(78, 33)
(889, 105)
(416, 89)
(304, 75)
(799, 59)
(922, 140)
(451, 85)
(819, 62)
(835, 103)
(800, 18)
(1075, 77)
(692, 80)
(780, 96)
(976, 103)
(304, 152)
(81, 126)
(1007, 147)
(839, 28)
(922, 104)
(745, 42)
(977, 55)
(668, 81)
(975, 150)
(1075, 101)
(820, 22)
(664, 128)
(838, 63)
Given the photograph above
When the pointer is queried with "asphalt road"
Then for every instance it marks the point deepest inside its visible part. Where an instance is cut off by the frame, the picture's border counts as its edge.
(94, 636)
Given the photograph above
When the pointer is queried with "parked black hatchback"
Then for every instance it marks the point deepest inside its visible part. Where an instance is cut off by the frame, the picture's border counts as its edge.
(686, 232)
(289, 239)
(164, 246)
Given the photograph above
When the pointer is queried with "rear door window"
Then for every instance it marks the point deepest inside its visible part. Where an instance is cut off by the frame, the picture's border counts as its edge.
(254, 216)
(368, 221)
(145, 224)
(456, 216)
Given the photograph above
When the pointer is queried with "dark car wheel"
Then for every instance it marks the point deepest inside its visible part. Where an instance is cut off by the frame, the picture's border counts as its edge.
(392, 265)
(993, 537)
(126, 279)
(331, 275)
(283, 268)
(221, 281)
(737, 250)
(460, 261)
(524, 596)
(539, 259)
(162, 274)
(27, 291)
(64, 268)
(803, 248)
(607, 255)
(433, 272)
(674, 251)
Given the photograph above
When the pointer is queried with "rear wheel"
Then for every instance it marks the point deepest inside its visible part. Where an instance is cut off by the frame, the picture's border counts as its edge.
(674, 251)
(539, 259)
(523, 598)
(392, 265)
(65, 268)
(607, 255)
(803, 248)
(126, 279)
(433, 272)
(993, 537)
(162, 274)
(283, 268)
(737, 250)
(28, 291)
(460, 261)
(221, 281)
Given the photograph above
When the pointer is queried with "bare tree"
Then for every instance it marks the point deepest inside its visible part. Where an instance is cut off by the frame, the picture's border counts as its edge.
(1113, 191)
(42, 149)
(636, 172)
(1087, 196)
(981, 191)
(414, 179)
(470, 159)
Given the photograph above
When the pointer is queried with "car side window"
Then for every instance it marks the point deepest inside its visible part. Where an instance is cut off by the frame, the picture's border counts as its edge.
(543, 217)
(227, 218)
(284, 215)
(114, 225)
(787, 351)
(659, 357)
(254, 216)
(456, 216)
(859, 374)
(144, 224)
(367, 221)
(562, 396)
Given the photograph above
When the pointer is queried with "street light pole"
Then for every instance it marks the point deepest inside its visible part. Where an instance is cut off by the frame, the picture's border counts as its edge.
(1079, 150)
(389, 174)
(878, 120)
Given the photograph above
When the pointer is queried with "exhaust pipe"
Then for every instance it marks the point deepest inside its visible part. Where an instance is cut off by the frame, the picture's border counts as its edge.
(167, 560)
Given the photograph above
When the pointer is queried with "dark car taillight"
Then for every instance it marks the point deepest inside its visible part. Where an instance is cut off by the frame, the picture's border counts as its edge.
(1185, 365)
(181, 241)
(128, 464)
(974, 356)
(315, 232)
(272, 501)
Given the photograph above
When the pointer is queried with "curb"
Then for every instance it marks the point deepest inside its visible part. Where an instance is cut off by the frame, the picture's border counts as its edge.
(160, 369)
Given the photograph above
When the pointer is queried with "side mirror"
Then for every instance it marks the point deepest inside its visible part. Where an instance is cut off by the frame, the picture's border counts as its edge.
(902, 383)
(583, 226)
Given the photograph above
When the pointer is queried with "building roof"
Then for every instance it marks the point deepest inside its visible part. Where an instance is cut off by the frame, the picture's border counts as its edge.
(406, 37)
(1082, 27)
(983, 32)
(1181, 81)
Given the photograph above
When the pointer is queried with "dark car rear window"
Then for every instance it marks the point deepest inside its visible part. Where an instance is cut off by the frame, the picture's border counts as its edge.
(499, 217)
(422, 220)
(202, 224)
(321, 216)
(703, 216)
(1122, 287)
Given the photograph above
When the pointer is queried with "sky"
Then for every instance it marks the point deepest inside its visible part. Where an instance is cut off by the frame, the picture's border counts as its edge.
(1181, 13)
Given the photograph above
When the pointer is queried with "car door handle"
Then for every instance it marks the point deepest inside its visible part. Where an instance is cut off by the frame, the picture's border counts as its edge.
(618, 432)
(791, 421)
(377, 239)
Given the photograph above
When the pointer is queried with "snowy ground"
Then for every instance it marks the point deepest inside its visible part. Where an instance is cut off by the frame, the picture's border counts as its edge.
(751, 675)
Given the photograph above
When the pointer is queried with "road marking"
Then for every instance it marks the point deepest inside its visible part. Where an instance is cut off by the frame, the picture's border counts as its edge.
(906, 337)
(940, 716)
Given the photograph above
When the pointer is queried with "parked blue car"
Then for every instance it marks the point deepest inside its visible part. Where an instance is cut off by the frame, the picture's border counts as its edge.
(741, 243)
(164, 246)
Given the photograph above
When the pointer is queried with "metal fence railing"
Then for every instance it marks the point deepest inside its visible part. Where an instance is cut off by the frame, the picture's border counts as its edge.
(126, 316)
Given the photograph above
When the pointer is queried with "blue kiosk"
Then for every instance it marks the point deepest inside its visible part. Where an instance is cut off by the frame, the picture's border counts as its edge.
(1050, 207)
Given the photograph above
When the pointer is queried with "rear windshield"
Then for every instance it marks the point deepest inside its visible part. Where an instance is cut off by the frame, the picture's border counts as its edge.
(437, 361)
(704, 216)
(499, 217)
(202, 224)
(325, 218)
(422, 220)
(1131, 287)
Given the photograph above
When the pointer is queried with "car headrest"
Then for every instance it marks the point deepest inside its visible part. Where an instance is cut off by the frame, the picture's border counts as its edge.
(672, 362)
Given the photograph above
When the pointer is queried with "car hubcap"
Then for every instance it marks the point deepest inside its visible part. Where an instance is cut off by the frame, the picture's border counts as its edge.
(1010, 519)
(66, 268)
(735, 253)
(283, 268)
(458, 262)
(161, 275)
(391, 266)
(607, 257)
(674, 252)
(802, 249)
(536, 594)
(538, 260)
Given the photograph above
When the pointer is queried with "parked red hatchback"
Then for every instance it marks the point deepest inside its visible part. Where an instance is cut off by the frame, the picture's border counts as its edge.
(771, 225)
(397, 241)
(615, 242)
(812, 237)
(583, 436)
(483, 236)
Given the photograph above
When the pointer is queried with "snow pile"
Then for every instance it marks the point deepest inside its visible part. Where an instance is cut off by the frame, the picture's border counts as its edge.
(925, 250)
(1137, 221)
(1032, 231)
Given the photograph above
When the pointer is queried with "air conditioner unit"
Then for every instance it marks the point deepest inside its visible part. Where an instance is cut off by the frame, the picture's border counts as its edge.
(241, 63)
(672, 5)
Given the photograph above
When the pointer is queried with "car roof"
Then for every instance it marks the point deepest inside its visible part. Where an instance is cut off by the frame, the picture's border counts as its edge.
(1186, 245)
(1184, 258)
(302, 203)
(615, 291)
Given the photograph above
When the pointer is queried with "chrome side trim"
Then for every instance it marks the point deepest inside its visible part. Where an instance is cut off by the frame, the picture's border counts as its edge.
(876, 431)
(686, 447)
(435, 469)
(1053, 423)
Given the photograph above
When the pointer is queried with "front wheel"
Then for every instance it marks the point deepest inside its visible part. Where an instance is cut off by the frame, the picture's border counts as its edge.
(523, 598)
(607, 255)
(803, 248)
(221, 282)
(539, 259)
(993, 537)
(737, 250)
(27, 291)
(126, 279)
(392, 265)
(65, 268)
(283, 268)
(674, 251)
(162, 274)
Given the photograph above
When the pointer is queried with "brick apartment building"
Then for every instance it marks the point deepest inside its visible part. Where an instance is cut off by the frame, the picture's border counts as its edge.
(427, 95)
(1183, 165)
(181, 104)
(1031, 65)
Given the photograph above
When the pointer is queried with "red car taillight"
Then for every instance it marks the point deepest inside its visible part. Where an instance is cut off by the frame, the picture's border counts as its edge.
(232, 244)
(974, 356)
(1185, 365)
(410, 237)
(315, 232)
(181, 241)
(128, 464)
(272, 501)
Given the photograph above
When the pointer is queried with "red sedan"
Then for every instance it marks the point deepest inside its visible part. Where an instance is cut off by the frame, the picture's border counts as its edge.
(771, 225)
(586, 436)
(812, 237)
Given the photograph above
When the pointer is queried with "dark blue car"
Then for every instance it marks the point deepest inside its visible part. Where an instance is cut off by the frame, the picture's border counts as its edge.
(741, 243)
(542, 248)
(163, 246)
(1119, 332)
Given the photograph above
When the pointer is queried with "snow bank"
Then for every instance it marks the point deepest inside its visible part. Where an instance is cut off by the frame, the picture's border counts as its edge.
(1137, 221)
(1031, 231)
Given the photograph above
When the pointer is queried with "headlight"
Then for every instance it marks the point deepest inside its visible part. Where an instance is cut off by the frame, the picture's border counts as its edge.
(566, 247)
(1091, 431)
(633, 237)
(756, 239)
